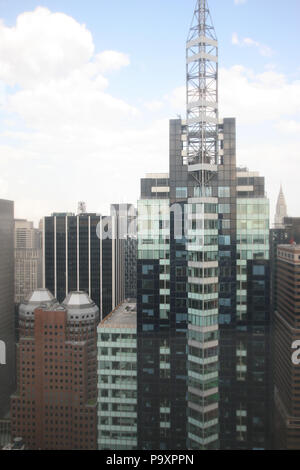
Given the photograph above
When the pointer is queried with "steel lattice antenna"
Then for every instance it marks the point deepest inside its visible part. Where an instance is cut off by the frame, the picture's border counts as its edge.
(202, 95)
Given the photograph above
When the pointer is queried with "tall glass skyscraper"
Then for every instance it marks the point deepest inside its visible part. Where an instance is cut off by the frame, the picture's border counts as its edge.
(203, 279)
(84, 252)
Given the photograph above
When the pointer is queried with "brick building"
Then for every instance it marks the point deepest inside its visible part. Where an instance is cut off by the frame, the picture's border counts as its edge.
(55, 405)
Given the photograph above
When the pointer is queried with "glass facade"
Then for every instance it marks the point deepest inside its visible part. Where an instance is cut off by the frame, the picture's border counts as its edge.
(203, 296)
(117, 385)
(76, 259)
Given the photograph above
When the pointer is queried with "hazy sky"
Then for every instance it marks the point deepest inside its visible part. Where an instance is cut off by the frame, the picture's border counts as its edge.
(87, 89)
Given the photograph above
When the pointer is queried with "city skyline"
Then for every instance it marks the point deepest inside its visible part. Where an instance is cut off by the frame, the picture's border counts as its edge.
(162, 313)
(107, 111)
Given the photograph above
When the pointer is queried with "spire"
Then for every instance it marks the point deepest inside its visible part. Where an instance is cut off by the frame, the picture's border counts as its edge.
(202, 24)
(202, 94)
(281, 210)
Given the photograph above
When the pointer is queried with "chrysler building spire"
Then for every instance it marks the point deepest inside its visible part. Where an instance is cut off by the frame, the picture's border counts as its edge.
(281, 210)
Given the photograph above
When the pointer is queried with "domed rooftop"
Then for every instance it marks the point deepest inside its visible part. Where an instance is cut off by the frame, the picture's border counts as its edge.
(80, 306)
(37, 298)
(40, 296)
(77, 298)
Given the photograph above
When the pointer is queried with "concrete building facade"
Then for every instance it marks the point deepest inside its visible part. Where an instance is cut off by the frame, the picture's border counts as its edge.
(28, 259)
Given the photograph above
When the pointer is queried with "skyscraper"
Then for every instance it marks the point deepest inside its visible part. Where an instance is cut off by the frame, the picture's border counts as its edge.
(203, 279)
(55, 404)
(161, 305)
(83, 252)
(288, 233)
(117, 383)
(281, 210)
(7, 370)
(130, 266)
(286, 332)
(28, 259)
(202, 245)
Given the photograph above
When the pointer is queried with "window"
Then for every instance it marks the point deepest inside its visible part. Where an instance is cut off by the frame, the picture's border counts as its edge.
(181, 192)
(148, 269)
(224, 208)
(224, 240)
(148, 327)
(225, 302)
(224, 224)
(224, 191)
(258, 270)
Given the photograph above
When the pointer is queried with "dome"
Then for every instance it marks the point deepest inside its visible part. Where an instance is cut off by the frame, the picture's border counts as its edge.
(37, 298)
(40, 296)
(80, 306)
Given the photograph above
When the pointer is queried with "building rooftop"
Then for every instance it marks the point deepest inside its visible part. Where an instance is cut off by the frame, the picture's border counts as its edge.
(124, 316)
(40, 296)
(80, 306)
(289, 247)
(77, 299)
(157, 176)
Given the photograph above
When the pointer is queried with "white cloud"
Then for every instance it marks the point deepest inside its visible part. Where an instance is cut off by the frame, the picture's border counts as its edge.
(41, 47)
(154, 105)
(255, 98)
(109, 61)
(252, 97)
(3, 188)
(289, 127)
(177, 98)
(70, 137)
(266, 106)
(264, 50)
(239, 2)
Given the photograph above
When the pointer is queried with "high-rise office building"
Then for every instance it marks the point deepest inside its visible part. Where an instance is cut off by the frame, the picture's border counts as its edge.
(28, 259)
(130, 266)
(117, 383)
(55, 405)
(161, 318)
(288, 233)
(281, 210)
(286, 331)
(244, 314)
(203, 279)
(126, 216)
(124, 257)
(7, 323)
(83, 252)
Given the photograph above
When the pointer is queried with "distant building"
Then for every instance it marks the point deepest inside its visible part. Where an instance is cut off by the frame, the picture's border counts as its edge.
(281, 210)
(126, 216)
(288, 233)
(77, 258)
(7, 371)
(130, 267)
(28, 259)
(55, 405)
(117, 381)
(286, 331)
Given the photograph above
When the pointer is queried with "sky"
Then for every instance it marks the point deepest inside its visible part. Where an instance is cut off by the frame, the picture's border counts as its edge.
(87, 89)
